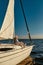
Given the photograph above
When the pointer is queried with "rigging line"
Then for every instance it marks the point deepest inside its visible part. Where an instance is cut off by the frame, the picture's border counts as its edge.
(6, 28)
(25, 20)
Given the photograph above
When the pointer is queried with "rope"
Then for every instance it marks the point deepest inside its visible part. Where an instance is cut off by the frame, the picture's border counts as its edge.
(25, 20)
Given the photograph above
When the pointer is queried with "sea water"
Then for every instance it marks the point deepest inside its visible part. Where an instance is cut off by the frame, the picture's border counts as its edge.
(37, 51)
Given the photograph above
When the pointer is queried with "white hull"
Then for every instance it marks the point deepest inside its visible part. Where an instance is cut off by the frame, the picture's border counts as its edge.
(14, 56)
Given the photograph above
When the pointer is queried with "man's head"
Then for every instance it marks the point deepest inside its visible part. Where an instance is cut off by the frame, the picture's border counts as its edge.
(16, 37)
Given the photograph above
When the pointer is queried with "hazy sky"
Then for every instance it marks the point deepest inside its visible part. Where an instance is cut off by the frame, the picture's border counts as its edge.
(34, 15)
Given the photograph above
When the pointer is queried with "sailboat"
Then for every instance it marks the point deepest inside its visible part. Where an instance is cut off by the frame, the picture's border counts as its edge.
(15, 54)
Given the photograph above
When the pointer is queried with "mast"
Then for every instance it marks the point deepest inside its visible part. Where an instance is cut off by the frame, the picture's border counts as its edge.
(25, 21)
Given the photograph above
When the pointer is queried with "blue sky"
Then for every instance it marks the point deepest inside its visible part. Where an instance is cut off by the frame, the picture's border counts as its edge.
(34, 14)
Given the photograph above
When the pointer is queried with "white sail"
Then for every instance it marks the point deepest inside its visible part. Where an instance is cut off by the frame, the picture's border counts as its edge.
(7, 29)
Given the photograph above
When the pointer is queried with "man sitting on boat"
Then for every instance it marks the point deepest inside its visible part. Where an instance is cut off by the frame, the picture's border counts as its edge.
(17, 42)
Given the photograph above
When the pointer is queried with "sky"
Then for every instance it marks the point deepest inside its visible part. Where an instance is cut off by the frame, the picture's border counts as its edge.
(34, 14)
